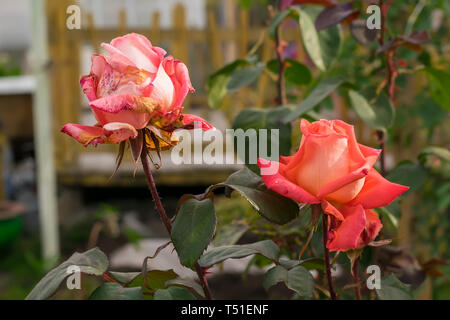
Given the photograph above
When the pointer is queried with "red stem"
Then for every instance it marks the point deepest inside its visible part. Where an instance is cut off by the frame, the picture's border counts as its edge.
(326, 252)
(355, 272)
(167, 223)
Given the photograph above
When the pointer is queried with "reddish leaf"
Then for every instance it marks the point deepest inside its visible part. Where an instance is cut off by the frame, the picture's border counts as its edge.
(331, 16)
(361, 33)
(327, 3)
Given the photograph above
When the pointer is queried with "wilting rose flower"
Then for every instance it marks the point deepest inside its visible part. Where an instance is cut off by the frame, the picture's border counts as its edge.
(132, 87)
(333, 169)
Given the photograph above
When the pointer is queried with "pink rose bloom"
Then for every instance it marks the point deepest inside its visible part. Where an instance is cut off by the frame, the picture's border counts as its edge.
(131, 87)
(333, 169)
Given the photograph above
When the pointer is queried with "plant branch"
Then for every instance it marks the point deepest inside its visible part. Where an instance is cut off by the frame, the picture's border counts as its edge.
(355, 273)
(166, 221)
(326, 252)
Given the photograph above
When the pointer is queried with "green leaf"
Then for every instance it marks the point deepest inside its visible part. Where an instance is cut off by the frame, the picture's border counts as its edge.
(114, 291)
(301, 281)
(330, 44)
(388, 216)
(275, 275)
(156, 279)
(313, 263)
(253, 118)
(409, 174)
(296, 73)
(217, 82)
(230, 233)
(279, 17)
(380, 116)
(266, 248)
(297, 279)
(269, 204)
(188, 284)
(193, 229)
(124, 277)
(318, 94)
(393, 289)
(245, 76)
(174, 293)
(310, 38)
(93, 262)
(442, 153)
(439, 83)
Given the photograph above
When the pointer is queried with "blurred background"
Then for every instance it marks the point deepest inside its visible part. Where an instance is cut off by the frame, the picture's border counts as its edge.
(69, 203)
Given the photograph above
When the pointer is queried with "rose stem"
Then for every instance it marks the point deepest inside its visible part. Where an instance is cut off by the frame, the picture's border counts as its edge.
(281, 88)
(162, 214)
(326, 253)
(355, 272)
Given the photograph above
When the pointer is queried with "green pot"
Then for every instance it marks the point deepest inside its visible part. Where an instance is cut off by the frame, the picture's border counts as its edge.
(10, 230)
(11, 223)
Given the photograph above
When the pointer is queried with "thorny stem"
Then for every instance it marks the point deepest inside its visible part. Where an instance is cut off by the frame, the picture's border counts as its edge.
(355, 272)
(167, 223)
(326, 253)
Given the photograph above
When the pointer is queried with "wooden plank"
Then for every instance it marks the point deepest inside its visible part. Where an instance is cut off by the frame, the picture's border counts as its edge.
(155, 34)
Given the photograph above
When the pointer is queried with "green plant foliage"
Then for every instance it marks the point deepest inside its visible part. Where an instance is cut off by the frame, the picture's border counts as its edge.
(409, 174)
(393, 289)
(114, 291)
(379, 116)
(174, 293)
(269, 204)
(439, 82)
(317, 95)
(298, 279)
(193, 229)
(245, 76)
(217, 83)
(92, 262)
(270, 119)
(266, 248)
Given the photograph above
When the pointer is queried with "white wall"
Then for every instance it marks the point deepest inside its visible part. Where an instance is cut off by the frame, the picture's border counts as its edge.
(15, 17)
(139, 12)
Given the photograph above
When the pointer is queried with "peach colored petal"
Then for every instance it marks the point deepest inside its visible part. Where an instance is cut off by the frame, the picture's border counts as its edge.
(377, 191)
(280, 184)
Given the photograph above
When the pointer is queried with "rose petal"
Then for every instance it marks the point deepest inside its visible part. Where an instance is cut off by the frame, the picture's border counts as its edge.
(373, 227)
(330, 209)
(131, 109)
(347, 234)
(139, 50)
(189, 120)
(84, 134)
(377, 191)
(117, 132)
(280, 184)
(89, 86)
(179, 74)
